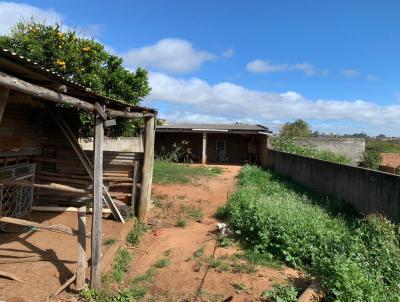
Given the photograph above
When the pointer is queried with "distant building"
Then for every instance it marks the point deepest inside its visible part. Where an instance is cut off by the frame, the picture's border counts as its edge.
(213, 143)
(390, 162)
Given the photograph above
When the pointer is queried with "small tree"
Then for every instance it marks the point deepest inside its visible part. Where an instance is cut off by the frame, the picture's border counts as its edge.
(298, 128)
(82, 60)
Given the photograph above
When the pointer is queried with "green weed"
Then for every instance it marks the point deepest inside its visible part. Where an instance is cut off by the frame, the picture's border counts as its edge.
(110, 241)
(163, 262)
(239, 287)
(134, 235)
(281, 293)
(181, 222)
(121, 264)
(357, 259)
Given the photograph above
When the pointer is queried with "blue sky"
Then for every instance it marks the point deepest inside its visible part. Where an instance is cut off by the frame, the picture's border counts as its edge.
(333, 63)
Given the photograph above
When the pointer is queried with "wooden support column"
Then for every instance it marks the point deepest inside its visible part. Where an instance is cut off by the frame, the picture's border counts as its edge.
(147, 170)
(3, 101)
(95, 278)
(134, 185)
(80, 272)
(204, 153)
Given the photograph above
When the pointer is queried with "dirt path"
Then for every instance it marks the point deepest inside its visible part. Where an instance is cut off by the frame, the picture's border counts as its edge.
(188, 276)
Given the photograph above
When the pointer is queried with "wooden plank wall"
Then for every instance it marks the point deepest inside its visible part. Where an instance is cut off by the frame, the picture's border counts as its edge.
(28, 130)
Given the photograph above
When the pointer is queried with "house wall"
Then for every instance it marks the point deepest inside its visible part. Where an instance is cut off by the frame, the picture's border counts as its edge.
(352, 148)
(236, 144)
(369, 191)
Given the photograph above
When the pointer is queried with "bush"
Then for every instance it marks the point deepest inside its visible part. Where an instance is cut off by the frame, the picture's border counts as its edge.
(357, 259)
(370, 159)
(134, 235)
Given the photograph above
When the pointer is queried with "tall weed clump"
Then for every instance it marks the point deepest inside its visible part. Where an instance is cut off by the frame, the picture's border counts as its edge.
(356, 259)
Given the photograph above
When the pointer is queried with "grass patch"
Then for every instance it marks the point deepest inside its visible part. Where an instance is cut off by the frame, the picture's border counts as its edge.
(193, 212)
(147, 276)
(224, 242)
(134, 235)
(166, 172)
(163, 262)
(121, 264)
(219, 264)
(110, 241)
(356, 259)
(181, 222)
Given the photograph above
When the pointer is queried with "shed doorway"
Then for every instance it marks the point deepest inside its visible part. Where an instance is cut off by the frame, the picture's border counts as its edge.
(221, 150)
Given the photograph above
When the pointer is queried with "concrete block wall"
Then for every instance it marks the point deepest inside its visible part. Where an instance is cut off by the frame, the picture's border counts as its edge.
(369, 191)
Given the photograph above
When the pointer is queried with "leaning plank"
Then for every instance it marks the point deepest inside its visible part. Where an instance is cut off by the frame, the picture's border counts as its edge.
(10, 276)
(65, 285)
(82, 264)
(54, 227)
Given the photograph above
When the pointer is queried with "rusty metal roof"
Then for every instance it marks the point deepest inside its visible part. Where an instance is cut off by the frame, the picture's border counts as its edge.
(22, 67)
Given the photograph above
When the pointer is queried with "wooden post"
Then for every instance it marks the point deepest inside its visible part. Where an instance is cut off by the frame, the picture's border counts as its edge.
(95, 277)
(134, 185)
(147, 170)
(3, 101)
(204, 154)
(80, 272)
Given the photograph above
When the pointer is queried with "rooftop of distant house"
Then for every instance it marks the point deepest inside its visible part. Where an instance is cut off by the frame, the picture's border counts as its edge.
(390, 160)
(236, 127)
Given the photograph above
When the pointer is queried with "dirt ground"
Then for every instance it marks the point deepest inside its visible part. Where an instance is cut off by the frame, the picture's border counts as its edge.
(184, 278)
(42, 278)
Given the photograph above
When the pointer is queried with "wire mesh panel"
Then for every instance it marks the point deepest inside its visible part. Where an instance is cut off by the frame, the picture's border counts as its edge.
(16, 201)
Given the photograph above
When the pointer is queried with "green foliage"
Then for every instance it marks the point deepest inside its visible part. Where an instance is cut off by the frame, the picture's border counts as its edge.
(179, 152)
(239, 287)
(166, 172)
(163, 262)
(370, 159)
(82, 60)
(224, 242)
(121, 264)
(193, 212)
(357, 259)
(288, 145)
(281, 293)
(134, 235)
(218, 263)
(110, 241)
(298, 128)
(181, 222)
(382, 146)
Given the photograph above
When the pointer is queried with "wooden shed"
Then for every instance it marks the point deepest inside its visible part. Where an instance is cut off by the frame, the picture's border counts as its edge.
(42, 163)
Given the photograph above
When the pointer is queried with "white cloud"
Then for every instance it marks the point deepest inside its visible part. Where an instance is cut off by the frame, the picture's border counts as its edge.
(228, 53)
(196, 100)
(174, 55)
(372, 77)
(11, 13)
(350, 73)
(265, 66)
(260, 66)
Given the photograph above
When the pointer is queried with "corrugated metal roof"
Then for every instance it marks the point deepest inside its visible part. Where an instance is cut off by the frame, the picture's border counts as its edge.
(216, 127)
(74, 88)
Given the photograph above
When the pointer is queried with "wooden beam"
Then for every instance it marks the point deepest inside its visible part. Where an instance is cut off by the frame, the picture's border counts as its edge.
(40, 92)
(204, 153)
(135, 185)
(51, 186)
(81, 270)
(147, 170)
(100, 111)
(4, 92)
(95, 279)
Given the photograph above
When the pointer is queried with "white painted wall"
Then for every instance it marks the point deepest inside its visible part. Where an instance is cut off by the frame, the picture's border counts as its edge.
(121, 144)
